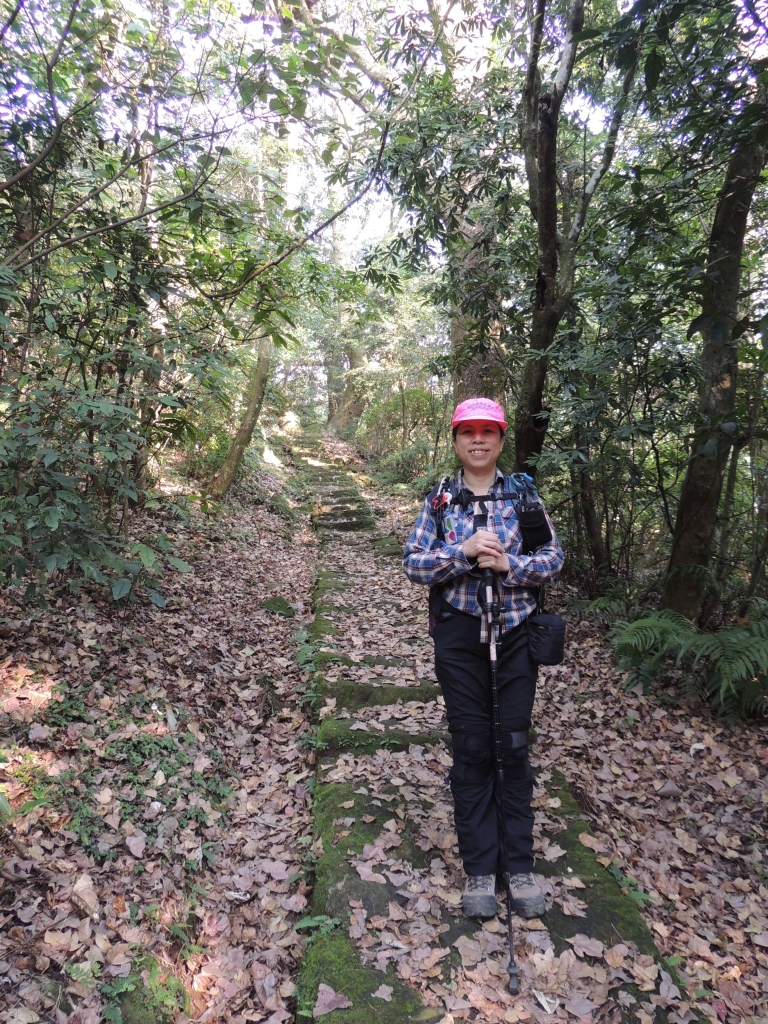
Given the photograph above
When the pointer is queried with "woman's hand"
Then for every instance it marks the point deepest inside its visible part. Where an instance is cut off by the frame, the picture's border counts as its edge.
(488, 550)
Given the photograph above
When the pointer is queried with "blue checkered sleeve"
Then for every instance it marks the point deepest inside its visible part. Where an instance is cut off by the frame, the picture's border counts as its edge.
(426, 559)
(543, 566)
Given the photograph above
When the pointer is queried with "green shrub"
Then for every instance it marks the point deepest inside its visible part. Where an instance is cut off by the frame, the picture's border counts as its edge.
(728, 668)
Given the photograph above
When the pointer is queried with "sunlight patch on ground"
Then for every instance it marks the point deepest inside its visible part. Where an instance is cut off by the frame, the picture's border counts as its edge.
(314, 462)
(22, 691)
(270, 458)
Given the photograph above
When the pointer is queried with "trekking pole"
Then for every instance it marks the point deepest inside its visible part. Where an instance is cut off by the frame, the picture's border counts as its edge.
(492, 611)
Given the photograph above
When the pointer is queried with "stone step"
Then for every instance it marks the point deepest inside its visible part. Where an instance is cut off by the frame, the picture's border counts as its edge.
(340, 806)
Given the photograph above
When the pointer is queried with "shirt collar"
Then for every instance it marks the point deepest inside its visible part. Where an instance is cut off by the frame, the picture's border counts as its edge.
(494, 485)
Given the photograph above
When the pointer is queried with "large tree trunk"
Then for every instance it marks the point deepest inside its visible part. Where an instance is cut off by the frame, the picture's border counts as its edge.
(693, 538)
(541, 115)
(589, 517)
(558, 236)
(600, 554)
(253, 402)
(347, 403)
(478, 373)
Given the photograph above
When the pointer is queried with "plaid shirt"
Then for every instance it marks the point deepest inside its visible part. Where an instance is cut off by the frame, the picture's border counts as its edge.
(429, 560)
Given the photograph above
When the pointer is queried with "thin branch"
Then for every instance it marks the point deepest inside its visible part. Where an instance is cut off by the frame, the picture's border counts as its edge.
(49, 147)
(377, 73)
(530, 104)
(49, 228)
(568, 58)
(114, 225)
(258, 271)
(608, 153)
(11, 19)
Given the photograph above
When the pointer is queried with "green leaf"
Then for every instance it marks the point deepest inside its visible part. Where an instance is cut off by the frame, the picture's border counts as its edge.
(5, 807)
(156, 598)
(120, 588)
(654, 65)
(147, 555)
(110, 270)
(179, 564)
(52, 519)
(50, 323)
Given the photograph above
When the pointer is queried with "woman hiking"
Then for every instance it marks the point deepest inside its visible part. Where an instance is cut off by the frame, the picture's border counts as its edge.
(456, 536)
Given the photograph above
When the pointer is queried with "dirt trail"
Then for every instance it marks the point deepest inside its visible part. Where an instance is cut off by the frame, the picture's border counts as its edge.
(391, 943)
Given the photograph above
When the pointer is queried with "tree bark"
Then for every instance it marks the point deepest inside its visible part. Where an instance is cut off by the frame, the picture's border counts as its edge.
(589, 518)
(556, 248)
(481, 373)
(696, 519)
(541, 113)
(592, 527)
(253, 402)
(348, 404)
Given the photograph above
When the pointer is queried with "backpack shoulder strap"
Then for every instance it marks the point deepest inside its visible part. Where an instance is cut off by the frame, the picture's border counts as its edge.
(437, 500)
(522, 483)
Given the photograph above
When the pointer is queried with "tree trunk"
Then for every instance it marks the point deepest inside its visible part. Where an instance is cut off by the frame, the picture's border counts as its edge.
(253, 402)
(578, 518)
(591, 521)
(479, 373)
(592, 527)
(554, 283)
(348, 403)
(553, 289)
(693, 538)
(756, 575)
(334, 380)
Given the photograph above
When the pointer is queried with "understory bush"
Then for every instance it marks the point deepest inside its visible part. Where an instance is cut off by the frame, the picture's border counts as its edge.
(727, 668)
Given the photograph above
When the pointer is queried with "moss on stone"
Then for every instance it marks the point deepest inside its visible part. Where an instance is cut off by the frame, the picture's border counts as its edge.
(337, 734)
(323, 658)
(388, 547)
(320, 627)
(612, 916)
(353, 695)
(153, 995)
(333, 960)
(278, 606)
(328, 582)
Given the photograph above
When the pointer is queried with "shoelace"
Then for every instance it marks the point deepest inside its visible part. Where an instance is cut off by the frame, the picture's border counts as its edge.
(522, 880)
(479, 882)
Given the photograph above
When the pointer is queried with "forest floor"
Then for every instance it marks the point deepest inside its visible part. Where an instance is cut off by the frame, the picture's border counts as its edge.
(170, 840)
(171, 851)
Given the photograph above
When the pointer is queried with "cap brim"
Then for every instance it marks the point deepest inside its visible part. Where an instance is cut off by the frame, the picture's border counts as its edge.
(478, 419)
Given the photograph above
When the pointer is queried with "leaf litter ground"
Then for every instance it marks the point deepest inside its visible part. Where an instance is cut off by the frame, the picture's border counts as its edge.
(677, 804)
(167, 751)
(174, 820)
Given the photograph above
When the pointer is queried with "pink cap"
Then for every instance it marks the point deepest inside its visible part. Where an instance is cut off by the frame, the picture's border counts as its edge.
(479, 409)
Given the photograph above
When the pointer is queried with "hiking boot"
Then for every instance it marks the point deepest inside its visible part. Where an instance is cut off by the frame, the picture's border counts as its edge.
(527, 897)
(480, 896)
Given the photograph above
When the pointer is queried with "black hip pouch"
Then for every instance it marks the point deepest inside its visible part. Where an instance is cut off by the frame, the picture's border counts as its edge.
(546, 638)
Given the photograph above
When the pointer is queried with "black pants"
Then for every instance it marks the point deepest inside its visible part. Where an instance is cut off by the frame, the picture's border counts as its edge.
(462, 669)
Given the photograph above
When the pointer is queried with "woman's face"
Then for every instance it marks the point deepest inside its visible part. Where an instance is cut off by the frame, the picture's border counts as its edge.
(478, 444)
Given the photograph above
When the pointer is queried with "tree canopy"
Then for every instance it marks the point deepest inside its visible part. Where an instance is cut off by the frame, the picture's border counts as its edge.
(213, 216)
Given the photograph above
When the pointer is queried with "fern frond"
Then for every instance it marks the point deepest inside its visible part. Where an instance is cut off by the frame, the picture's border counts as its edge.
(734, 659)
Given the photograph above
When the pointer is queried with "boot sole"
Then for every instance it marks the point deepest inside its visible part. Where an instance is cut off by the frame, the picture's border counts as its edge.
(529, 908)
(481, 905)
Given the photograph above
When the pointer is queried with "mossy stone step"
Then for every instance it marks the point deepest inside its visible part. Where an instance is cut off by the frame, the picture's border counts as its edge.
(611, 915)
(333, 959)
(337, 734)
(352, 695)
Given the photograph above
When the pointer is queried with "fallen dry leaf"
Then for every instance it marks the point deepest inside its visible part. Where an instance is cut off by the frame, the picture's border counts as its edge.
(328, 1001)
